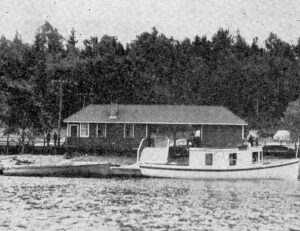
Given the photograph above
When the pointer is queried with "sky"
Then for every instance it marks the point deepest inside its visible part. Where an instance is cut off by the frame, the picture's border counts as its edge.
(126, 19)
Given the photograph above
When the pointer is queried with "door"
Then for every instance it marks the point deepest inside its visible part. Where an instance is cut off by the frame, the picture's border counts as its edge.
(74, 130)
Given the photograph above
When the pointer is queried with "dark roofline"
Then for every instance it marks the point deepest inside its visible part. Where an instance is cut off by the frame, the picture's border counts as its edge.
(167, 123)
(75, 118)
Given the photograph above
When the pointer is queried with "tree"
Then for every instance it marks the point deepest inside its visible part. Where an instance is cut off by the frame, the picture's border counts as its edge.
(71, 43)
(49, 51)
(279, 48)
(256, 83)
(103, 71)
(291, 119)
(153, 57)
(21, 108)
(47, 39)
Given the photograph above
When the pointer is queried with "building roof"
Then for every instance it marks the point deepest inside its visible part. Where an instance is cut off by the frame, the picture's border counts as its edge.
(155, 114)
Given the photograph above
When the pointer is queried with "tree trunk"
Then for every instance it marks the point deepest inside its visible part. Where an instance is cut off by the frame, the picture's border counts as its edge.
(23, 141)
(44, 144)
(257, 106)
(59, 112)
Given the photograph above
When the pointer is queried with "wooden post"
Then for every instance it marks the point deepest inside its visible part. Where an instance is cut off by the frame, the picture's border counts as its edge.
(146, 131)
(68, 127)
(201, 132)
(97, 128)
(297, 148)
(174, 135)
(243, 132)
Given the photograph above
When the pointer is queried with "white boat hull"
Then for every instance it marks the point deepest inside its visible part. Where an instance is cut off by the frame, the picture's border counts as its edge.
(72, 169)
(283, 170)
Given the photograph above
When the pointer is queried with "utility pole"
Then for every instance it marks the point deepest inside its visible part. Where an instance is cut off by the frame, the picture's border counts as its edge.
(60, 92)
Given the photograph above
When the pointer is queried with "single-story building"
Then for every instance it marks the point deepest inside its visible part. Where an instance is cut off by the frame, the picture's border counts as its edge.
(122, 127)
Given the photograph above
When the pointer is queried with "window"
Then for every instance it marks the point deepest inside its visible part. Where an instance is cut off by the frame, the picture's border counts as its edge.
(232, 158)
(254, 157)
(84, 130)
(198, 133)
(208, 159)
(101, 130)
(74, 130)
(128, 131)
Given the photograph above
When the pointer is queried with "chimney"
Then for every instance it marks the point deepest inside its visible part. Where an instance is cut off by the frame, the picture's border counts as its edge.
(113, 111)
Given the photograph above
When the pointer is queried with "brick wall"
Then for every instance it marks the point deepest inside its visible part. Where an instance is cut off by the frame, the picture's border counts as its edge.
(212, 136)
(114, 138)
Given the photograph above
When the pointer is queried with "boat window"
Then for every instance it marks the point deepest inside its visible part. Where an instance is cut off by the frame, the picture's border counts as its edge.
(232, 158)
(254, 157)
(128, 130)
(102, 130)
(208, 159)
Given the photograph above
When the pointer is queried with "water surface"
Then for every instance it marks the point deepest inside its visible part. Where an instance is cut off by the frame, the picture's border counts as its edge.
(34, 203)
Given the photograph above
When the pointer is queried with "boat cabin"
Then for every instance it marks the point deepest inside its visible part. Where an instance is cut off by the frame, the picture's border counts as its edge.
(224, 158)
(198, 157)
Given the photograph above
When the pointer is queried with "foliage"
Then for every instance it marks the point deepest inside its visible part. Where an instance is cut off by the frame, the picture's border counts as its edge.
(291, 119)
(256, 83)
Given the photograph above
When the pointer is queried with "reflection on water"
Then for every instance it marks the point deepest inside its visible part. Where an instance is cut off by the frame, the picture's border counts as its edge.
(147, 204)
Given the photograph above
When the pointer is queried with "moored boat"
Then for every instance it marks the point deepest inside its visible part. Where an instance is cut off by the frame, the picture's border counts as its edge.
(216, 163)
(81, 169)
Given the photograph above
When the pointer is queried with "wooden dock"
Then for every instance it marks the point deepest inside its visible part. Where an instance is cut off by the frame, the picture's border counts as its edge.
(126, 171)
(72, 169)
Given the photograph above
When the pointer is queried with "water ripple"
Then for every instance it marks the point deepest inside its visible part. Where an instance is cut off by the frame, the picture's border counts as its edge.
(147, 204)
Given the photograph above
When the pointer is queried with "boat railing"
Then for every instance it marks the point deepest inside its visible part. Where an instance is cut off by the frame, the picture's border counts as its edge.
(140, 149)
